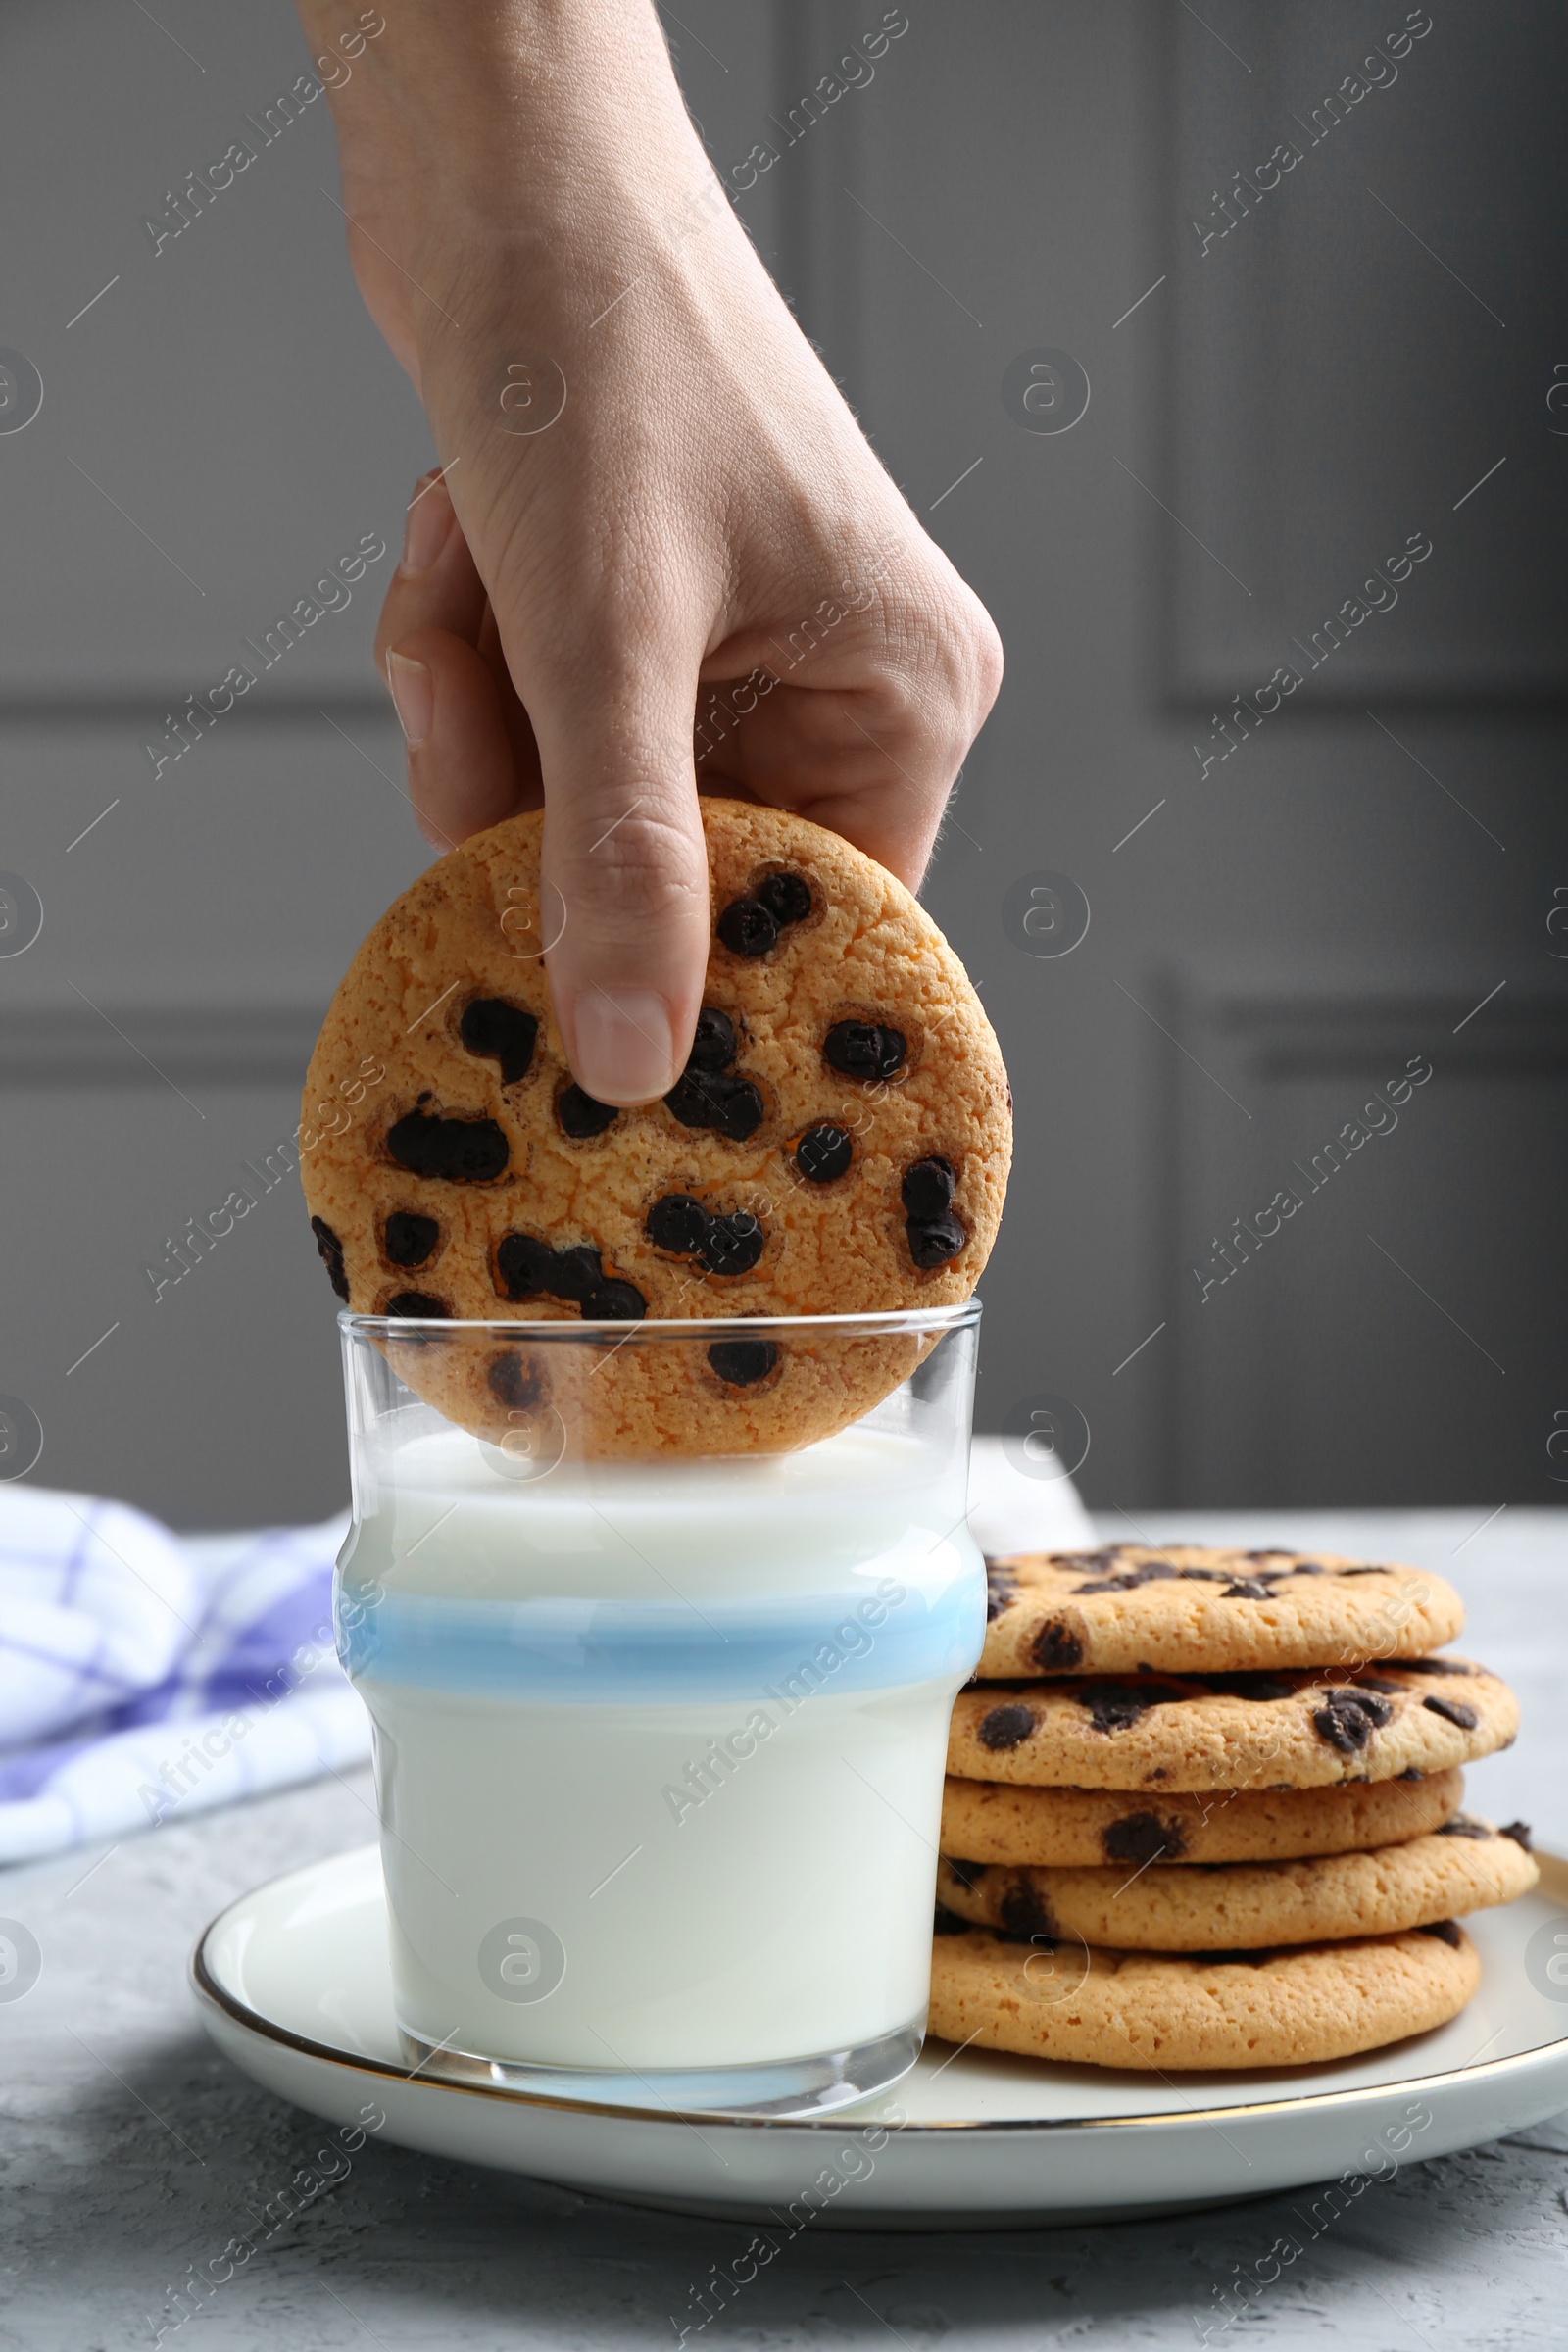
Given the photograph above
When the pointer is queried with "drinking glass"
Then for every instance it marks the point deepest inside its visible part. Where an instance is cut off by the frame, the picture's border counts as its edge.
(659, 1737)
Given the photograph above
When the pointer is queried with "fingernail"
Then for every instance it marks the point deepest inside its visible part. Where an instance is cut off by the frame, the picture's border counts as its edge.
(412, 697)
(430, 521)
(626, 1044)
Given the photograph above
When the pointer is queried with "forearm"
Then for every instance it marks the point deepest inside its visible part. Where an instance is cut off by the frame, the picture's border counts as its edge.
(532, 219)
(510, 103)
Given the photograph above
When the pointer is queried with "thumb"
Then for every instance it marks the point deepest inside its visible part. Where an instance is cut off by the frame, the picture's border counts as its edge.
(625, 869)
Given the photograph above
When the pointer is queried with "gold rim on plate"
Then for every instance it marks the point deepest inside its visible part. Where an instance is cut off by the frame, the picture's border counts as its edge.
(1554, 1881)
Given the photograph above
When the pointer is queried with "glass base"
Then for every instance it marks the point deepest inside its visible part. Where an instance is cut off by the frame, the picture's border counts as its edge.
(786, 2086)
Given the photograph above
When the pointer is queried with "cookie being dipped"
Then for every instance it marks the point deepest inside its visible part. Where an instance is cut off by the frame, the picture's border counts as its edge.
(838, 1144)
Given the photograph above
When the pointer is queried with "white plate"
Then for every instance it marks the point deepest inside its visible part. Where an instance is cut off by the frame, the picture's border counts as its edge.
(294, 1986)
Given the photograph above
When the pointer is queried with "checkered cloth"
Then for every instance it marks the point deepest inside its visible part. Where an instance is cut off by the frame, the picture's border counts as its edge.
(144, 1678)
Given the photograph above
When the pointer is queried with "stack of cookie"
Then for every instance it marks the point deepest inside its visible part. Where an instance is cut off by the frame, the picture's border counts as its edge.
(1205, 1810)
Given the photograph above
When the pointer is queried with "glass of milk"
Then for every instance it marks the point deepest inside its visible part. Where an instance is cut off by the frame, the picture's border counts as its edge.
(659, 1738)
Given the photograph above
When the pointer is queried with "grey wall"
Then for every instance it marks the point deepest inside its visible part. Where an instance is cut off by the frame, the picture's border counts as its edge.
(231, 404)
(1296, 921)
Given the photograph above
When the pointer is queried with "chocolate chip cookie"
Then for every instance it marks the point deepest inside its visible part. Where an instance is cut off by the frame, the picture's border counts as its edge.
(995, 1821)
(1290, 1730)
(1168, 2013)
(838, 1144)
(1190, 1609)
(1240, 1906)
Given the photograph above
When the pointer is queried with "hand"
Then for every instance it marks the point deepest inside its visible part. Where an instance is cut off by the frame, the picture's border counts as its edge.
(698, 575)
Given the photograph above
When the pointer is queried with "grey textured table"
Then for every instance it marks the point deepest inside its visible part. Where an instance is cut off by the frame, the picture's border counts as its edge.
(132, 2149)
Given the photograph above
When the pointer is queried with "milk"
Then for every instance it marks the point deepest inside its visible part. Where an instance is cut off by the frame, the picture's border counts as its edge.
(659, 1747)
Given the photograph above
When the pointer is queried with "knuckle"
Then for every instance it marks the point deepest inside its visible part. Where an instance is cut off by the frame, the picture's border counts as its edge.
(986, 660)
(633, 867)
(958, 650)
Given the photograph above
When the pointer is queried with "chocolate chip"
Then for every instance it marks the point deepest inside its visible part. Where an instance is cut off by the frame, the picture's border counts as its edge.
(714, 1045)
(967, 1873)
(1002, 1590)
(1348, 1717)
(739, 1111)
(1141, 1837)
(677, 1222)
(1412, 1772)
(418, 1305)
(614, 1302)
(731, 1245)
(1429, 1665)
(787, 896)
(573, 1274)
(1004, 1726)
(1344, 1728)
(864, 1050)
(1054, 1648)
(688, 1100)
(524, 1264)
(501, 1032)
(1203, 1576)
(528, 1268)
(581, 1116)
(732, 1107)
(330, 1249)
(743, 1362)
(1370, 1682)
(1023, 1911)
(748, 928)
(1245, 1587)
(1117, 1706)
(1446, 1931)
(1452, 1712)
(948, 1923)
(458, 1150)
(1156, 1572)
(1518, 1830)
(1363, 1572)
(409, 1239)
(515, 1381)
(927, 1189)
(823, 1153)
(1463, 1825)
(1310, 1568)
(934, 1241)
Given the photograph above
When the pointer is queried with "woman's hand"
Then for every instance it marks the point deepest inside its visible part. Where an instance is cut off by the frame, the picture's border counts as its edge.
(690, 572)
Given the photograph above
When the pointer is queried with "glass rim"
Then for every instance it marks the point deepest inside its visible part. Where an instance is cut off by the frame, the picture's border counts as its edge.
(962, 1315)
